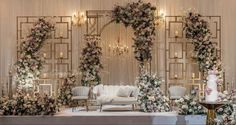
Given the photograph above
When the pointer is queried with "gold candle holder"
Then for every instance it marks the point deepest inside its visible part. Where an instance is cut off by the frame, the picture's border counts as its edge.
(176, 34)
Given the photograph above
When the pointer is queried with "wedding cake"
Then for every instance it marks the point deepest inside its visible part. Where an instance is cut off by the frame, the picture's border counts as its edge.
(211, 88)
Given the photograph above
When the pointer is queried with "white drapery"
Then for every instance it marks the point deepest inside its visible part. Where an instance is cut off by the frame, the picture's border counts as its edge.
(118, 70)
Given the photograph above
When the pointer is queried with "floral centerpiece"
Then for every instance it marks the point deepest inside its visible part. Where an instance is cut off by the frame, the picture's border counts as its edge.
(90, 64)
(65, 94)
(141, 17)
(188, 105)
(198, 31)
(30, 63)
(151, 98)
(27, 105)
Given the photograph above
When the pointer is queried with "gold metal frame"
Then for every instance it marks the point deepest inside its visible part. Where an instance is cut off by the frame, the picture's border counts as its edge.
(182, 72)
(50, 85)
(182, 48)
(177, 22)
(185, 51)
(53, 41)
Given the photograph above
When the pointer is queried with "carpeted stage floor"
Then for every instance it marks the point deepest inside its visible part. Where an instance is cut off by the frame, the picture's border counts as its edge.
(107, 117)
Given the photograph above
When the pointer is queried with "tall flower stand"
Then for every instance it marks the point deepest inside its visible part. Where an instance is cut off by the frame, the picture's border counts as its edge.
(211, 108)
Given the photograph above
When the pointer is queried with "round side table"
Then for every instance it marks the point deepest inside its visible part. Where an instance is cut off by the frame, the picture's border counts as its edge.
(211, 108)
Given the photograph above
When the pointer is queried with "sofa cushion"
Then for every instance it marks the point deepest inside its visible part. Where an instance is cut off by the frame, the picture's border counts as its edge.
(103, 99)
(112, 90)
(124, 92)
(79, 97)
(124, 100)
(134, 91)
(98, 90)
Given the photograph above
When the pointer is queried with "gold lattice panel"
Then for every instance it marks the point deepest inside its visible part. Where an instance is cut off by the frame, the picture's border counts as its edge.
(179, 67)
(97, 20)
(57, 49)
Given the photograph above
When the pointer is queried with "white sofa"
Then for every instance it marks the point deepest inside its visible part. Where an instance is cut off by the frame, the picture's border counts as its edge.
(116, 95)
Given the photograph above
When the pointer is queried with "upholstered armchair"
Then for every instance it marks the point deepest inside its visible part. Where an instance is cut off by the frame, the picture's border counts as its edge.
(80, 93)
(176, 92)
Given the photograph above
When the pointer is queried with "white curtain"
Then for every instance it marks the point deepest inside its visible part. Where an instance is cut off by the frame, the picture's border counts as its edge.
(118, 70)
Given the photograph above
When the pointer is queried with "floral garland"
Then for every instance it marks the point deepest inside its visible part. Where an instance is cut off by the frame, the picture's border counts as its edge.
(29, 65)
(141, 17)
(227, 113)
(90, 62)
(26, 105)
(205, 50)
(188, 105)
(65, 94)
(151, 98)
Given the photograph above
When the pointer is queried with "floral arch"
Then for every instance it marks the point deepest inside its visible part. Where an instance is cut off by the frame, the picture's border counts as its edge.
(30, 63)
(140, 17)
(197, 30)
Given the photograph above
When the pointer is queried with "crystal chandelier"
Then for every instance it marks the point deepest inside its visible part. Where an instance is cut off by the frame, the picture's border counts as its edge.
(118, 48)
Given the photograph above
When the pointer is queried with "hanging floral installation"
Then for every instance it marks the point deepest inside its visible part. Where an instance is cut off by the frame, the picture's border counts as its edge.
(188, 105)
(30, 63)
(198, 31)
(65, 92)
(151, 98)
(27, 105)
(90, 65)
(141, 17)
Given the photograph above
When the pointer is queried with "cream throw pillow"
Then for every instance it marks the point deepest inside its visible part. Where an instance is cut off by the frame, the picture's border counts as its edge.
(124, 92)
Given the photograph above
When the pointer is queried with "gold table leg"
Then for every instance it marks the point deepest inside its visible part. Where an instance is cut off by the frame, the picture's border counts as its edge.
(211, 115)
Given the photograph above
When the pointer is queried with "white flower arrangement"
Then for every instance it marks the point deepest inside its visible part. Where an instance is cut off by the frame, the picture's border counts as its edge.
(227, 113)
(27, 105)
(65, 94)
(90, 64)
(141, 17)
(151, 98)
(30, 63)
(188, 105)
(198, 31)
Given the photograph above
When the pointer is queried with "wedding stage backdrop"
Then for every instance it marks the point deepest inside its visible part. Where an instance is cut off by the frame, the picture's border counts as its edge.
(113, 73)
(91, 59)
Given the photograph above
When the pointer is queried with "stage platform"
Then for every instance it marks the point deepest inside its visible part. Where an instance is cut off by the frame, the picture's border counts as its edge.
(67, 117)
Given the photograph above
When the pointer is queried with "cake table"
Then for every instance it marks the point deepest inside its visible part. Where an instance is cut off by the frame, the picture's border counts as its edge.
(211, 107)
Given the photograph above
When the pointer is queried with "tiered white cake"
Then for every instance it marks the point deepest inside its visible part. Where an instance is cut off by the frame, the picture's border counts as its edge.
(211, 88)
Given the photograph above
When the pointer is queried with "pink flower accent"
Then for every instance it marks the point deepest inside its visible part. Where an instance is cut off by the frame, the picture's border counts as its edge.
(208, 91)
(212, 72)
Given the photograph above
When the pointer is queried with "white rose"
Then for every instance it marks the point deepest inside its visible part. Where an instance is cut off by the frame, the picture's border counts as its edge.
(181, 100)
(199, 107)
(187, 97)
(184, 107)
(193, 103)
(190, 110)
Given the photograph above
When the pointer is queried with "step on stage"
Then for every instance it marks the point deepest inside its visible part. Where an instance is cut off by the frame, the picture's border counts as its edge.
(67, 117)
